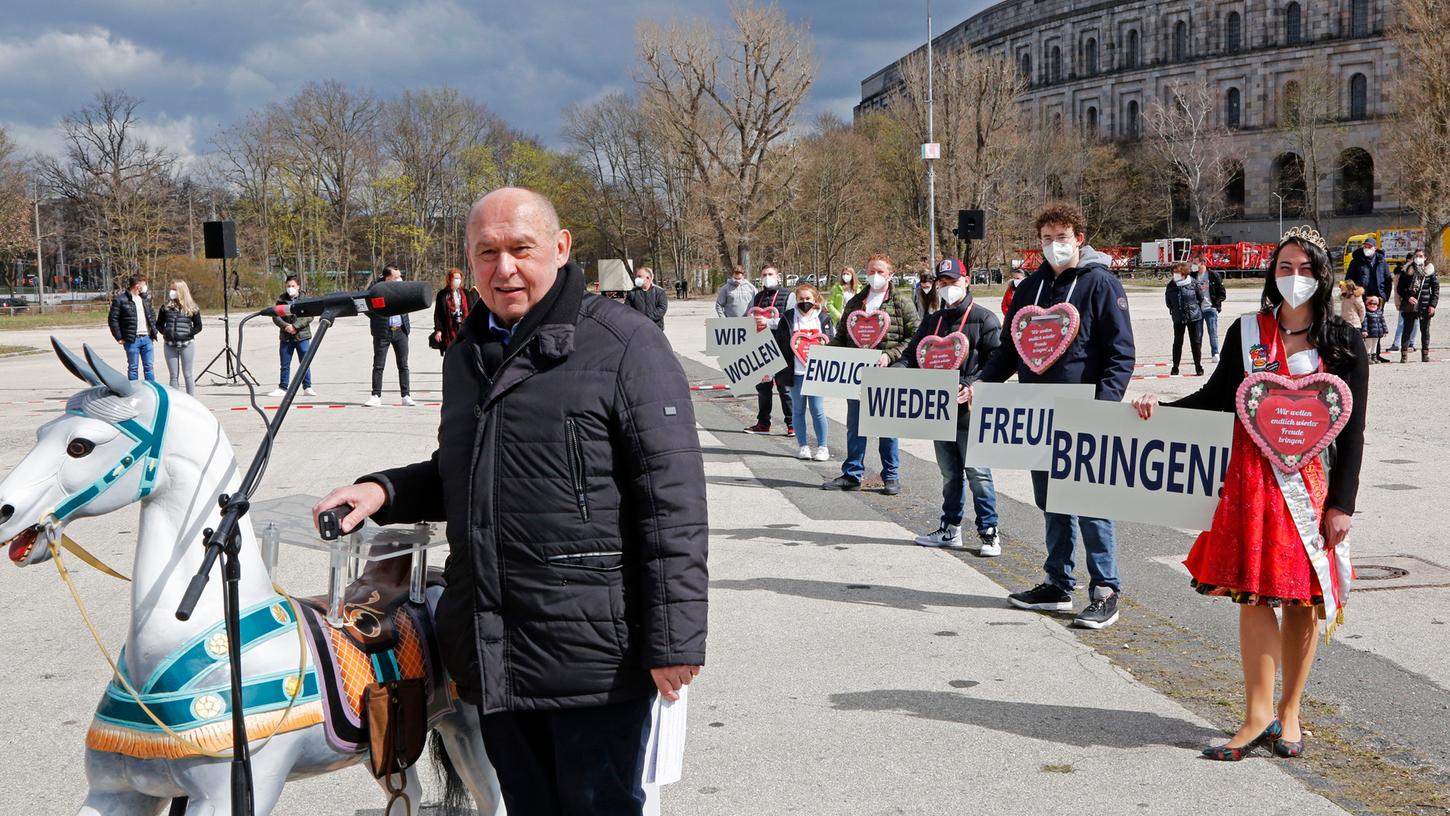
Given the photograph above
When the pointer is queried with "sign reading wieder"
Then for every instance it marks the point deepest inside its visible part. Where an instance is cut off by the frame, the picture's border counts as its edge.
(909, 403)
(759, 358)
(1109, 463)
(1011, 423)
(833, 371)
(725, 336)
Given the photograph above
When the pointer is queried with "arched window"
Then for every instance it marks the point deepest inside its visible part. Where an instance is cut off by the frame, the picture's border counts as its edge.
(1233, 109)
(1289, 182)
(1056, 66)
(1090, 56)
(1130, 53)
(1027, 66)
(1092, 122)
(1356, 183)
(1359, 18)
(1130, 125)
(1233, 33)
(1293, 23)
(1358, 97)
(1180, 41)
(1235, 193)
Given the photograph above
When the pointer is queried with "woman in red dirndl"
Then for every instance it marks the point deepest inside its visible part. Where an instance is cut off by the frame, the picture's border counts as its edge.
(1256, 552)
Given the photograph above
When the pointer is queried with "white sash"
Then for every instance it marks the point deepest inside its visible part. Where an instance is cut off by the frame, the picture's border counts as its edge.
(1331, 567)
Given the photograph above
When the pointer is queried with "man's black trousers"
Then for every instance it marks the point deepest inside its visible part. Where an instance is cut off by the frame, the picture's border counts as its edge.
(573, 761)
(780, 382)
(398, 342)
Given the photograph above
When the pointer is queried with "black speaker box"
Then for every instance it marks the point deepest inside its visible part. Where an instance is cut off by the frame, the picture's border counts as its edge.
(221, 238)
(971, 225)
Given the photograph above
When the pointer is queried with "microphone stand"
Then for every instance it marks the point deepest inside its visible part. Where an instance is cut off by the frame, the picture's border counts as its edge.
(225, 541)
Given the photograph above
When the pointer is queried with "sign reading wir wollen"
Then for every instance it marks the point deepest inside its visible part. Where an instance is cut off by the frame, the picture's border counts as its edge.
(1106, 462)
(909, 403)
(725, 336)
(759, 358)
(1011, 423)
(834, 371)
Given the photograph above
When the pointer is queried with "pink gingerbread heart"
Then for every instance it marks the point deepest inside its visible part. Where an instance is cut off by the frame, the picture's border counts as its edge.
(1042, 336)
(867, 328)
(943, 353)
(1293, 419)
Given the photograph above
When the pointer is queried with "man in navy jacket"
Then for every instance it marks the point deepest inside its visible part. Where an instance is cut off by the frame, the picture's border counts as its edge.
(1102, 354)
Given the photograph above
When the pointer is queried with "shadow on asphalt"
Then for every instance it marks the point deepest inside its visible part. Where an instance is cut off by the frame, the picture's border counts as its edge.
(1066, 725)
(759, 481)
(801, 536)
(912, 600)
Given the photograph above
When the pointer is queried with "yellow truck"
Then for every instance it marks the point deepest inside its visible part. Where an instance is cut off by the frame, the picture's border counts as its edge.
(1395, 244)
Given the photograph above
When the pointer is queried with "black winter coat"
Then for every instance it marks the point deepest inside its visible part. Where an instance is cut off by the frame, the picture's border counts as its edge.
(984, 335)
(178, 327)
(122, 318)
(378, 325)
(1425, 289)
(1373, 274)
(652, 304)
(573, 487)
(1186, 302)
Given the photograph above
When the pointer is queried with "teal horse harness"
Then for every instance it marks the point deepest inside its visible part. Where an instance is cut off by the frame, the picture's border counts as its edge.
(146, 453)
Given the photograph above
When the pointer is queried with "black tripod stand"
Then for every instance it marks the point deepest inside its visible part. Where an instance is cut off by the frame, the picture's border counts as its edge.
(230, 359)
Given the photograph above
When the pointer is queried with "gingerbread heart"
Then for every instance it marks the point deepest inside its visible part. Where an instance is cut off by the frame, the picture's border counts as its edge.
(803, 341)
(947, 352)
(762, 314)
(1293, 419)
(1042, 336)
(867, 328)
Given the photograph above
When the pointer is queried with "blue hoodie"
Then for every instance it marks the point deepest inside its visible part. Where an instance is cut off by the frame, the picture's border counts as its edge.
(1102, 354)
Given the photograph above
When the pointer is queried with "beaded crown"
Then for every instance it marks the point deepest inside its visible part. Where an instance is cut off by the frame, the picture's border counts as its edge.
(1305, 233)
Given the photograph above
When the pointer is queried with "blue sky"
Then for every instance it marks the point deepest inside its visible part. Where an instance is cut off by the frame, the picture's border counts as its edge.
(201, 65)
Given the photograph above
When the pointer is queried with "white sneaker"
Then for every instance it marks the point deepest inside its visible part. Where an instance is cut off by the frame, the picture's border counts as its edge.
(823, 454)
(804, 452)
(947, 535)
(991, 546)
(408, 401)
(374, 401)
(308, 392)
(278, 392)
(1215, 358)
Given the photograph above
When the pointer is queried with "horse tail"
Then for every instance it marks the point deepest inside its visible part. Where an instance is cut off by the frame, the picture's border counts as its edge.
(456, 801)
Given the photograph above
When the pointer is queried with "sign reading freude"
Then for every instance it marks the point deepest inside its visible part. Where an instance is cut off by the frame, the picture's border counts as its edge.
(1011, 423)
(833, 371)
(909, 403)
(759, 358)
(1108, 463)
(725, 336)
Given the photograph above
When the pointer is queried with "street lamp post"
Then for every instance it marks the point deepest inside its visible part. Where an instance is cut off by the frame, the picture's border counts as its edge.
(39, 262)
(930, 151)
(1281, 214)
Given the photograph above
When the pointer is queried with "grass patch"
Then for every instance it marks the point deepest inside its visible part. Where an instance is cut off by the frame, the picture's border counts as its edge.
(13, 351)
(31, 320)
(1057, 769)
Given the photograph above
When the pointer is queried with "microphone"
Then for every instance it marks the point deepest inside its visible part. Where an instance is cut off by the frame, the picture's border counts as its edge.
(386, 299)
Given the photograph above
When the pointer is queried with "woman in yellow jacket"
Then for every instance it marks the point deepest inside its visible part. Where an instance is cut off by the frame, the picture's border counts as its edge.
(845, 288)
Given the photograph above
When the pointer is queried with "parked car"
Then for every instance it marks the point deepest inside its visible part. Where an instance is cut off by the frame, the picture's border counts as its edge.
(13, 305)
(792, 280)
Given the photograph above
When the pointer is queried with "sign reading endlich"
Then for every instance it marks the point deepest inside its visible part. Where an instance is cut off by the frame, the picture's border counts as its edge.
(833, 371)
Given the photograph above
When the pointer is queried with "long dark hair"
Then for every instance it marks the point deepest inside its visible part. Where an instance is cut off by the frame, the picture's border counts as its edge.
(1327, 332)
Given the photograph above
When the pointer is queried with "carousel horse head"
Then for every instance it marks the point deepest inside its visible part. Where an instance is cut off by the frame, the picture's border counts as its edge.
(102, 454)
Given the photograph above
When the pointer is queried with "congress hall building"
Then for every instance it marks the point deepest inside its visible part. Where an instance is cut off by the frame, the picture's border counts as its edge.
(1097, 66)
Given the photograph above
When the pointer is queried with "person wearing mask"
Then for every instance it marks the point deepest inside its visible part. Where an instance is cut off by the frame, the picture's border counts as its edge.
(1017, 275)
(1187, 297)
(805, 325)
(959, 314)
(1370, 271)
(133, 325)
(682, 290)
(451, 308)
(1351, 304)
(877, 296)
(842, 290)
(1275, 541)
(773, 296)
(1217, 294)
(1404, 331)
(179, 322)
(736, 296)
(648, 299)
(390, 333)
(294, 338)
(921, 293)
(1101, 354)
(1419, 293)
(1374, 330)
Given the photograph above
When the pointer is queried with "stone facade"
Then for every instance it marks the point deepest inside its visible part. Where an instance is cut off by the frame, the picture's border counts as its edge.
(1097, 66)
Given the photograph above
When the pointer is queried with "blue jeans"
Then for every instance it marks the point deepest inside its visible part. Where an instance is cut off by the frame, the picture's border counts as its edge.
(1210, 322)
(855, 464)
(140, 348)
(288, 347)
(955, 478)
(817, 406)
(1098, 541)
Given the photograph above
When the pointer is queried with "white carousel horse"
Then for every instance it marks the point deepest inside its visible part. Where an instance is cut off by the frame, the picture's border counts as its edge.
(120, 442)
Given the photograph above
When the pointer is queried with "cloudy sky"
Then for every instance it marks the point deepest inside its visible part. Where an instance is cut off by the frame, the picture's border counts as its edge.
(200, 65)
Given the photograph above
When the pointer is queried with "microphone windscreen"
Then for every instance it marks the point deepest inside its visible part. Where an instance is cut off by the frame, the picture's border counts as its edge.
(399, 297)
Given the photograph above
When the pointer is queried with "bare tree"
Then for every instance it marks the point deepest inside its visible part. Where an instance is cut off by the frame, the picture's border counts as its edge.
(1195, 152)
(1421, 94)
(1309, 108)
(15, 211)
(250, 156)
(617, 148)
(727, 100)
(837, 189)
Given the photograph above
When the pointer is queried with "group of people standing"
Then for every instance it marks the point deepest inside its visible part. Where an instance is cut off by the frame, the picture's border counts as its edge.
(135, 324)
(1368, 287)
(1194, 296)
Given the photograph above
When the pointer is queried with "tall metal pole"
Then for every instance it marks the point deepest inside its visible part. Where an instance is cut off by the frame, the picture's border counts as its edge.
(930, 138)
(39, 261)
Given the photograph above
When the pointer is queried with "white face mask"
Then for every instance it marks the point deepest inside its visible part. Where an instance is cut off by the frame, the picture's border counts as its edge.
(846, 279)
(171, 295)
(1193, 269)
(457, 283)
(1178, 277)
(144, 289)
(1059, 254)
(951, 294)
(1297, 289)
(1419, 262)
(770, 281)
(639, 282)
(1369, 252)
(876, 280)
(293, 291)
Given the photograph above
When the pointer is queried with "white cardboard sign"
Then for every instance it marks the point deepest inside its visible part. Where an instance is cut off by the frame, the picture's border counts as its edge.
(725, 336)
(1106, 462)
(909, 403)
(835, 371)
(1011, 423)
(759, 358)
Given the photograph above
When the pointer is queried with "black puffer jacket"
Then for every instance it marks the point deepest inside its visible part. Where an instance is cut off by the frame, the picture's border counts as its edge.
(574, 490)
(122, 318)
(984, 335)
(1186, 300)
(178, 327)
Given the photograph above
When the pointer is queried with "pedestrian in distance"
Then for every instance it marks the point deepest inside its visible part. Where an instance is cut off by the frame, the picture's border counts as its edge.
(647, 298)
(682, 289)
(806, 326)
(294, 339)
(1187, 297)
(921, 292)
(451, 307)
(179, 322)
(957, 313)
(901, 322)
(1351, 304)
(133, 325)
(570, 478)
(1419, 293)
(1404, 329)
(1018, 275)
(1102, 354)
(772, 302)
(1374, 329)
(736, 296)
(390, 333)
(1217, 294)
(1275, 541)
(846, 286)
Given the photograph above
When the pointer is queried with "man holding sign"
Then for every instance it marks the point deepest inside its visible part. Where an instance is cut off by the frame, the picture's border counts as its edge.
(1069, 324)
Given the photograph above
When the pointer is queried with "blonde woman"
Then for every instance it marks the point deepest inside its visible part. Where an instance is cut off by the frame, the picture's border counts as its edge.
(180, 323)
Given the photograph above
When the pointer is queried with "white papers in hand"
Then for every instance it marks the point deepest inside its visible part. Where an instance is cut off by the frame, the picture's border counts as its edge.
(665, 751)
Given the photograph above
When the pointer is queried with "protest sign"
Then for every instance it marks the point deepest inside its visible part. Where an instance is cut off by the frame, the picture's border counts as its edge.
(759, 358)
(1108, 463)
(1011, 423)
(834, 371)
(909, 403)
(725, 336)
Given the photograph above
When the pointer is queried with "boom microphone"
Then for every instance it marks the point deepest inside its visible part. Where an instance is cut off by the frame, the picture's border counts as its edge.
(387, 299)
